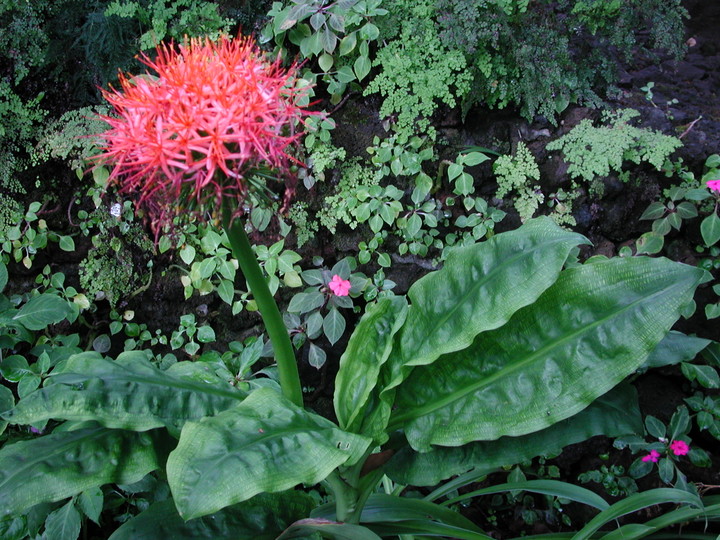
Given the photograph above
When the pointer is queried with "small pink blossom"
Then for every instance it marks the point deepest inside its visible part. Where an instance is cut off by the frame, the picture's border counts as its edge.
(653, 456)
(339, 286)
(714, 185)
(679, 448)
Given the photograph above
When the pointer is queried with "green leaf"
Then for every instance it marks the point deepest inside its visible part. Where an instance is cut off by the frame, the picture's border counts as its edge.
(263, 517)
(42, 311)
(361, 67)
(383, 510)
(3, 276)
(655, 211)
(187, 254)
(369, 32)
(206, 334)
(706, 376)
(64, 523)
(554, 488)
(674, 348)
(464, 184)
(307, 528)
(60, 465)
(226, 291)
(368, 349)
(316, 356)
(614, 414)
(328, 40)
(686, 210)
(325, 62)
(384, 260)
(7, 400)
(129, 393)
(347, 44)
(265, 444)
(91, 503)
(480, 287)
(333, 326)
(597, 324)
(710, 229)
(474, 158)
(454, 170)
(66, 243)
(636, 502)
(306, 301)
(685, 514)
(650, 243)
(655, 427)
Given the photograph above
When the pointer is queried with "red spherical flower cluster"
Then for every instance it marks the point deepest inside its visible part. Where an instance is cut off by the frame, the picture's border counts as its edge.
(189, 136)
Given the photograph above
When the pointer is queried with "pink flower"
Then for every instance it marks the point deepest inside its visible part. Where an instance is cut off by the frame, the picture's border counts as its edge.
(679, 448)
(653, 456)
(193, 133)
(339, 286)
(714, 185)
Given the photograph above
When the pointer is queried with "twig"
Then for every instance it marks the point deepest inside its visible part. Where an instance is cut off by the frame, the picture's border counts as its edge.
(342, 102)
(72, 201)
(690, 126)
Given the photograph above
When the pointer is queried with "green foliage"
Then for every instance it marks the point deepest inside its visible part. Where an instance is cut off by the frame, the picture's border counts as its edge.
(120, 247)
(596, 151)
(175, 19)
(338, 37)
(27, 233)
(436, 362)
(417, 72)
(316, 311)
(18, 121)
(613, 480)
(543, 56)
(341, 205)
(515, 174)
(71, 138)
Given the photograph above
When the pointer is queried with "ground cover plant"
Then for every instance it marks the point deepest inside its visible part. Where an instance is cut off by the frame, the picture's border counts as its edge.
(307, 291)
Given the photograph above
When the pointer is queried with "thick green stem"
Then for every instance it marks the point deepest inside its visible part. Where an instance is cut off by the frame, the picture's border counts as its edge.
(344, 496)
(278, 334)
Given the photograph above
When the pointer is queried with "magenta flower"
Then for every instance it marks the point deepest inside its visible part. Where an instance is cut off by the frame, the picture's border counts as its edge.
(653, 456)
(714, 184)
(192, 133)
(679, 448)
(339, 286)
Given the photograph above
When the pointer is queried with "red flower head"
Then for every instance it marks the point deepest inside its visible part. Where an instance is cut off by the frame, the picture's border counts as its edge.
(190, 135)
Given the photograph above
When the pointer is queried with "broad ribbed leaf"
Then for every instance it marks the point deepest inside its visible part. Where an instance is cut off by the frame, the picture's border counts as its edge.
(367, 350)
(265, 444)
(480, 287)
(591, 329)
(129, 393)
(42, 311)
(614, 414)
(60, 465)
(263, 517)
